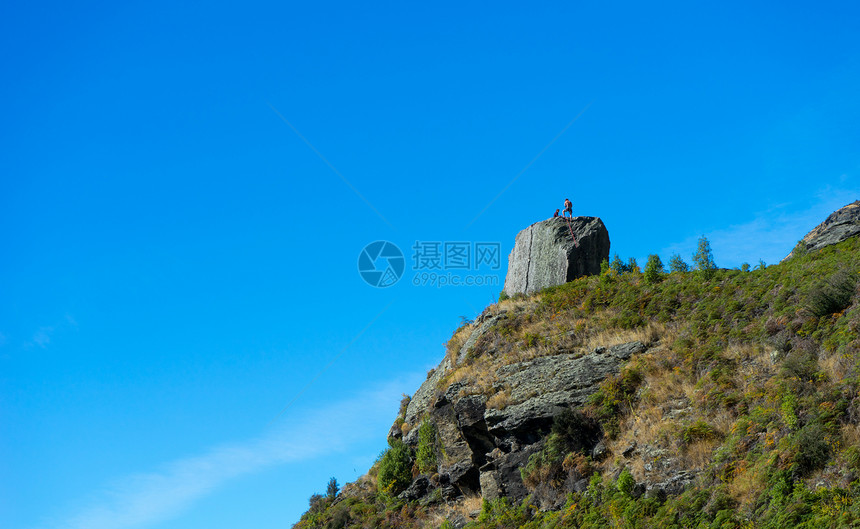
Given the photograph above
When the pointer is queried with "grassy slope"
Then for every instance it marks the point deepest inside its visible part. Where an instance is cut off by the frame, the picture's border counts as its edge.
(751, 381)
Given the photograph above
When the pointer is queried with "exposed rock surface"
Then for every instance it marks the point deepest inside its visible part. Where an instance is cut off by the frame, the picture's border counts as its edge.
(542, 388)
(842, 224)
(545, 255)
(482, 450)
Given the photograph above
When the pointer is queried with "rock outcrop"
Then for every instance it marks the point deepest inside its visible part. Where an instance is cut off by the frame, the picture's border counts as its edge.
(842, 224)
(545, 255)
(482, 449)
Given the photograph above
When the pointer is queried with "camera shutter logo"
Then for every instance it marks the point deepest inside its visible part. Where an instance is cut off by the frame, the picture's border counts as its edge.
(381, 264)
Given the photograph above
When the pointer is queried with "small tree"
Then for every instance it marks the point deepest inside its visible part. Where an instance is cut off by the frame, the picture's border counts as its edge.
(395, 468)
(617, 265)
(332, 489)
(653, 269)
(633, 266)
(676, 264)
(704, 259)
(315, 503)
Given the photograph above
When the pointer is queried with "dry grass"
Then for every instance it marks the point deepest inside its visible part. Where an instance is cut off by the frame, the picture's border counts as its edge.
(500, 399)
(514, 305)
(836, 366)
(453, 345)
(698, 455)
(464, 507)
(747, 485)
(478, 377)
(850, 435)
(649, 335)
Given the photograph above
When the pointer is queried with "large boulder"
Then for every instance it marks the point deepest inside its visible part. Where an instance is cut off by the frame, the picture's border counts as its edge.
(842, 224)
(546, 255)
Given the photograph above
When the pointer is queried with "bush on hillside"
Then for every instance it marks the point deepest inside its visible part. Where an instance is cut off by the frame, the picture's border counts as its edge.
(653, 269)
(425, 454)
(395, 469)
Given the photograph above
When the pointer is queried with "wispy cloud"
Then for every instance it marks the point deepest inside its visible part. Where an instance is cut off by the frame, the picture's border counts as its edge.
(141, 500)
(772, 233)
(42, 337)
(45, 334)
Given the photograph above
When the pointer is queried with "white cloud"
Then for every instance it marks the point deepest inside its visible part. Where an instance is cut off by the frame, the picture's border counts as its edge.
(144, 499)
(770, 236)
(43, 336)
(71, 321)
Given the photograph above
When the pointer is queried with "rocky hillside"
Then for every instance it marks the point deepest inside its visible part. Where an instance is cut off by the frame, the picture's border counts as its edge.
(637, 400)
(841, 225)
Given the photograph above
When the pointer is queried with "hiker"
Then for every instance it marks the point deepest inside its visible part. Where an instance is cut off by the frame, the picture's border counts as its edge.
(556, 214)
(568, 208)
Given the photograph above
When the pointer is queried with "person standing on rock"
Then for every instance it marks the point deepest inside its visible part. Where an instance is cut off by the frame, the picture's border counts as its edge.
(568, 208)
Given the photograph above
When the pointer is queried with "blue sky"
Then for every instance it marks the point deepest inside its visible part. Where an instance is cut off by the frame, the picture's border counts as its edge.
(185, 189)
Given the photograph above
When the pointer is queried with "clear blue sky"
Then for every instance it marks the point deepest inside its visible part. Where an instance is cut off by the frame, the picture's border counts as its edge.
(177, 264)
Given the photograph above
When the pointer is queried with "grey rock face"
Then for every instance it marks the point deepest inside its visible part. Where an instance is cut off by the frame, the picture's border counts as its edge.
(491, 487)
(842, 224)
(543, 387)
(482, 450)
(545, 255)
(418, 488)
(482, 328)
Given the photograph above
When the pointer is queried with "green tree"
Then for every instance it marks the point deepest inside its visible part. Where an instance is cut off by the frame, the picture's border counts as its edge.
(633, 266)
(676, 264)
(653, 269)
(332, 489)
(425, 454)
(704, 259)
(617, 265)
(395, 469)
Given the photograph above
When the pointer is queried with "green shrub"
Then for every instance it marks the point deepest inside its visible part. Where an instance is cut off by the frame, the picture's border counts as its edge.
(653, 269)
(316, 503)
(676, 264)
(625, 482)
(395, 469)
(812, 449)
(699, 431)
(574, 431)
(832, 295)
(425, 454)
(340, 517)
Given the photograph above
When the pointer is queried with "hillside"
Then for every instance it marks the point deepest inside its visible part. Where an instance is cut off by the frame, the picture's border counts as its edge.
(687, 399)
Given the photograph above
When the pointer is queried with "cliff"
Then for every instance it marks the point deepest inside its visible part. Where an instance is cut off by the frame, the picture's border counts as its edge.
(609, 400)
